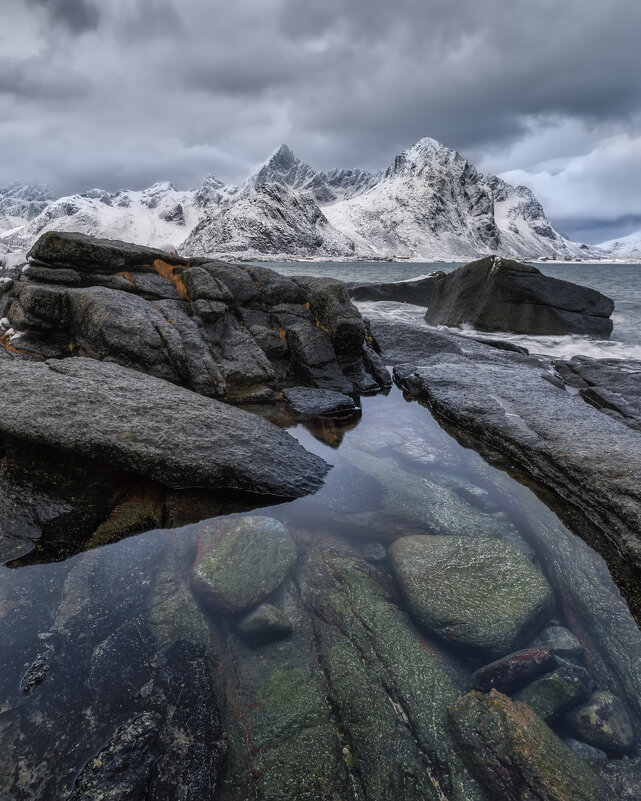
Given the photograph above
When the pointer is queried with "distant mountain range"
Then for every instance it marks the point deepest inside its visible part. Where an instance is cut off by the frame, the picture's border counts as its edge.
(429, 204)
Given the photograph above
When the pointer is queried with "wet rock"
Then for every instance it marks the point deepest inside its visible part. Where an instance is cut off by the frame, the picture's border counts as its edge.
(495, 294)
(123, 767)
(561, 641)
(309, 402)
(79, 251)
(584, 750)
(516, 756)
(604, 723)
(352, 704)
(37, 671)
(374, 552)
(265, 624)
(481, 594)
(223, 330)
(503, 400)
(513, 670)
(106, 412)
(622, 775)
(417, 291)
(611, 385)
(240, 561)
(551, 695)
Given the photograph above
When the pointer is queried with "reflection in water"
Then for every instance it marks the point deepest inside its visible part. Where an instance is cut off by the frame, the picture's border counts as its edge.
(94, 636)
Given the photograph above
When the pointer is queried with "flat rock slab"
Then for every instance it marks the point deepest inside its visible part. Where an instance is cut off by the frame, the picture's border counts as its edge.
(418, 291)
(479, 593)
(151, 427)
(309, 402)
(240, 561)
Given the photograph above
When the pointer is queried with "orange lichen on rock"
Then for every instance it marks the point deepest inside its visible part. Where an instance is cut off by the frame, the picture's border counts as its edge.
(128, 276)
(5, 341)
(167, 271)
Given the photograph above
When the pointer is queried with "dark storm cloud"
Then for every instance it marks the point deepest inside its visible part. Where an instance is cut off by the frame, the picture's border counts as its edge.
(180, 89)
(77, 15)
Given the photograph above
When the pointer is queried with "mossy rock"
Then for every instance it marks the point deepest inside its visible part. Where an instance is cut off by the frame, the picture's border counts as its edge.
(479, 593)
(240, 561)
(515, 755)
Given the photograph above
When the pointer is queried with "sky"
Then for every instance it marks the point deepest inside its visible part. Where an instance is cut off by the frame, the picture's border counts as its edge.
(123, 93)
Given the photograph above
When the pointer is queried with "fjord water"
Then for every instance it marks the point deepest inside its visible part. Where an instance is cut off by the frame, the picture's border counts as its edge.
(395, 472)
(621, 282)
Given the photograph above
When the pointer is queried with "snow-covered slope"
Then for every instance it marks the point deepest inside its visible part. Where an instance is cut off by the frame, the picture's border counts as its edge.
(270, 220)
(161, 215)
(431, 203)
(20, 203)
(627, 247)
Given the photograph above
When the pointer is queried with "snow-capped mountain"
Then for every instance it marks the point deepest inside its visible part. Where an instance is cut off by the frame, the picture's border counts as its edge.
(268, 220)
(432, 203)
(429, 204)
(627, 247)
(160, 215)
(284, 168)
(20, 203)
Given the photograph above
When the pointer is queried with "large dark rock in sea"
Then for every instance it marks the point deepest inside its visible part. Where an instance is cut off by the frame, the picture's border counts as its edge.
(495, 294)
(417, 291)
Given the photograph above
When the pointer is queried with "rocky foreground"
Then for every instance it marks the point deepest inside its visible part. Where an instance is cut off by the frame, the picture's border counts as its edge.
(404, 642)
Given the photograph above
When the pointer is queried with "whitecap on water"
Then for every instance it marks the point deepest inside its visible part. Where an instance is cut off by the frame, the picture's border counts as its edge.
(561, 347)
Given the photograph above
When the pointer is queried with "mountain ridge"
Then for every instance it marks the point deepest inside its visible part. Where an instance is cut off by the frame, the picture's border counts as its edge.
(430, 203)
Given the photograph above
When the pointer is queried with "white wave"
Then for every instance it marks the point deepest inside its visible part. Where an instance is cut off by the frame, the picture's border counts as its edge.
(561, 347)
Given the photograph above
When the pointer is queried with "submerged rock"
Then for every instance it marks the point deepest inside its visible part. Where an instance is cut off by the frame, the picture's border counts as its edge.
(495, 294)
(150, 427)
(604, 723)
(478, 593)
(553, 694)
(516, 756)
(308, 402)
(240, 561)
(123, 767)
(512, 670)
(561, 641)
(265, 624)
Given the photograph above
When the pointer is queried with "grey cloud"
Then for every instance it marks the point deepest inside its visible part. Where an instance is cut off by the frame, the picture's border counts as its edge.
(197, 86)
(76, 15)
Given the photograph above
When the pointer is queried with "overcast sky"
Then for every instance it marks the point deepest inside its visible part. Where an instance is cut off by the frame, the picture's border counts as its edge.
(122, 93)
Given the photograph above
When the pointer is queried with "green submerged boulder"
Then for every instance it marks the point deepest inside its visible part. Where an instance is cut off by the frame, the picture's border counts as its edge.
(240, 561)
(479, 593)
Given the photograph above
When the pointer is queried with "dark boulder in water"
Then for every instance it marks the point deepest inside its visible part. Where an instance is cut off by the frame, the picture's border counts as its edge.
(495, 294)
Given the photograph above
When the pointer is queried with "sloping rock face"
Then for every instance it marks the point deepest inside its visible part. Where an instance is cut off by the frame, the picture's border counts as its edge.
(495, 294)
(515, 403)
(225, 331)
(123, 418)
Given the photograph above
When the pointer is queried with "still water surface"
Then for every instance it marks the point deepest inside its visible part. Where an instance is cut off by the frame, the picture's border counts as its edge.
(395, 472)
